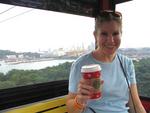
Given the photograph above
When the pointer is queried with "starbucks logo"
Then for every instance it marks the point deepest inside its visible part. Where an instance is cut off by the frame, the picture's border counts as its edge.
(96, 84)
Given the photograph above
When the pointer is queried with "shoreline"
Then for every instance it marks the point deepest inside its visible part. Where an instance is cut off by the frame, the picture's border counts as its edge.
(34, 60)
(34, 65)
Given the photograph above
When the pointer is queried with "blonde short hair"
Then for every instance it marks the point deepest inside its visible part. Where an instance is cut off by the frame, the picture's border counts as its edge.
(106, 16)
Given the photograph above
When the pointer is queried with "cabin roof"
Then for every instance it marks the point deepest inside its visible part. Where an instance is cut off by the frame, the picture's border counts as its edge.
(79, 7)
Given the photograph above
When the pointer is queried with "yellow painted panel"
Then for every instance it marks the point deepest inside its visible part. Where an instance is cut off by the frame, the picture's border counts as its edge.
(57, 110)
(39, 106)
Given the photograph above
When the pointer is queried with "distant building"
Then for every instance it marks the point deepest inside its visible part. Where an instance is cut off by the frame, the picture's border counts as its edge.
(11, 58)
(21, 56)
(59, 52)
(91, 46)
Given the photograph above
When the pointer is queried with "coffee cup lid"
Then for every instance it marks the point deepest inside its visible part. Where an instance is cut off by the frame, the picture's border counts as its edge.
(90, 68)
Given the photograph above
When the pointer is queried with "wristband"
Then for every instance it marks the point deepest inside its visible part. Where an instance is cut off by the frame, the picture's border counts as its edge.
(77, 105)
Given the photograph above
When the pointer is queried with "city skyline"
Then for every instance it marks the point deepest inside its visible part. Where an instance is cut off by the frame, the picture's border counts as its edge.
(40, 29)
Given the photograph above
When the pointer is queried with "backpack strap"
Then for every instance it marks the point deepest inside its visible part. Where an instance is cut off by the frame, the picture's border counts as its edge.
(124, 70)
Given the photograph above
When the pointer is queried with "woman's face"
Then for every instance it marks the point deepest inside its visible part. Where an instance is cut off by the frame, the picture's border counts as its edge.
(108, 37)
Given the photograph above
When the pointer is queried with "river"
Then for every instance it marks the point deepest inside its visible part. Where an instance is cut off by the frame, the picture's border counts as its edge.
(4, 68)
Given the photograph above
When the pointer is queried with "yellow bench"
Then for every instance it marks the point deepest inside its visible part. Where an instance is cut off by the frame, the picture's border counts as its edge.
(56, 105)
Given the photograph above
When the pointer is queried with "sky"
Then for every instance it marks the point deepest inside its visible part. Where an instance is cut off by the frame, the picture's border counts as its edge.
(136, 23)
(42, 30)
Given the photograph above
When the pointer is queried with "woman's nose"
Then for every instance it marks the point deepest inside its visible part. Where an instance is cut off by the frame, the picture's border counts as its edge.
(110, 39)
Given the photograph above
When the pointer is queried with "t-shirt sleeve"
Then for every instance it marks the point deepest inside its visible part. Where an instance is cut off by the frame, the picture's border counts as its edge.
(74, 77)
(131, 72)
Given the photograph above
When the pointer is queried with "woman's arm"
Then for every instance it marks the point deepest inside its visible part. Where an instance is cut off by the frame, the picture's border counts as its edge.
(137, 102)
(70, 104)
(80, 98)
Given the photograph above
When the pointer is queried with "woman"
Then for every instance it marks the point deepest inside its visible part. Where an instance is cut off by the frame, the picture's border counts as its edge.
(115, 91)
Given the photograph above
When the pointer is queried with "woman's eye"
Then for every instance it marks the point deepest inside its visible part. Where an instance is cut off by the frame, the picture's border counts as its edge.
(115, 33)
(104, 34)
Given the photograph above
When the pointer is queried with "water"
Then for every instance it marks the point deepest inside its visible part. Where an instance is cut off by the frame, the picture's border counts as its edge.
(4, 68)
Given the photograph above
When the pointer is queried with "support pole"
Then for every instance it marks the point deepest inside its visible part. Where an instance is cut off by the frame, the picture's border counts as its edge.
(106, 5)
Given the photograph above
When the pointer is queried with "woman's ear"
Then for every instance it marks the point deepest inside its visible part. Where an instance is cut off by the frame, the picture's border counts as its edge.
(94, 33)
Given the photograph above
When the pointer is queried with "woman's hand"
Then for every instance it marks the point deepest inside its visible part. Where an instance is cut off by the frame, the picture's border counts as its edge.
(84, 91)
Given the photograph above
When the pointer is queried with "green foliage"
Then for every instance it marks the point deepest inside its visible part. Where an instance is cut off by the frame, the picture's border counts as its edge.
(7, 84)
(3, 53)
(33, 55)
(142, 69)
(16, 78)
(2, 77)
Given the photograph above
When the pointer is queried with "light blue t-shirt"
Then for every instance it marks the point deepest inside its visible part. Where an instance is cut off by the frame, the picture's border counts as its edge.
(115, 92)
